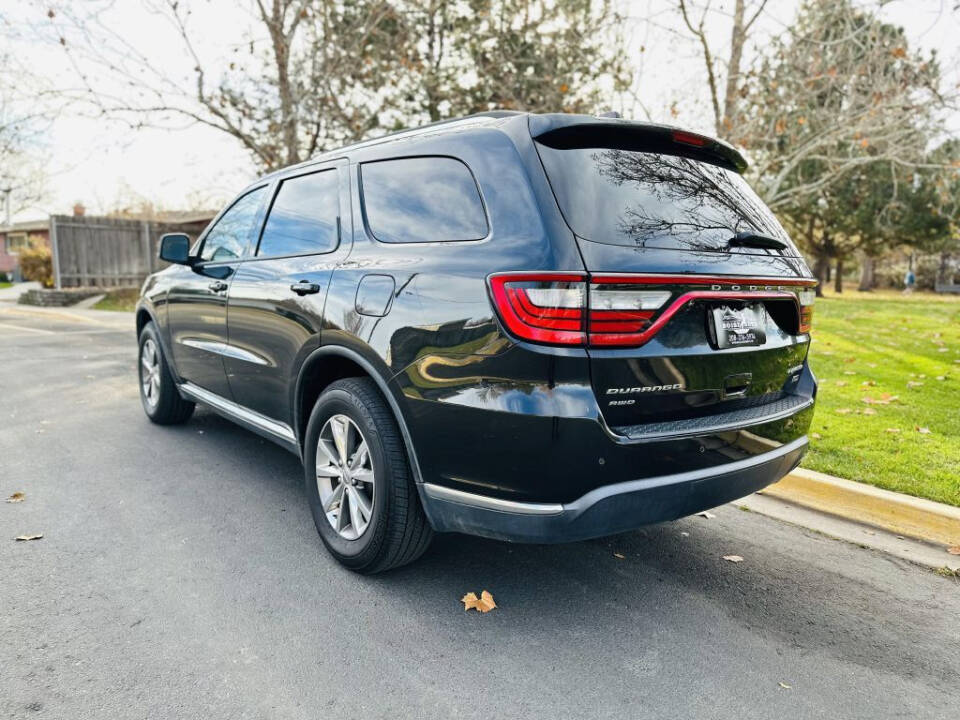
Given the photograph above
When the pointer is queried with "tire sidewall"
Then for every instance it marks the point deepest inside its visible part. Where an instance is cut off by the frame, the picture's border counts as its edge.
(353, 553)
(149, 332)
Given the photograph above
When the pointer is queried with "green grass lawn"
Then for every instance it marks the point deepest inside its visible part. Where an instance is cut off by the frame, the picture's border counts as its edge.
(888, 408)
(5, 285)
(124, 299)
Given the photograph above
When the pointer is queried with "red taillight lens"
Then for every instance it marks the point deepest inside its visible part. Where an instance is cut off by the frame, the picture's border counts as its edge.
(544, 308)
(556, 308)
(620, 313)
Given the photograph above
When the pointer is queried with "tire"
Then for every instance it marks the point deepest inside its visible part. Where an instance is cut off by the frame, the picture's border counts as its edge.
(160, 398)
(397, 531)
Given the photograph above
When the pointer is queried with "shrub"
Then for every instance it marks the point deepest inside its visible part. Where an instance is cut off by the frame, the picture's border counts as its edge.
(36, 263)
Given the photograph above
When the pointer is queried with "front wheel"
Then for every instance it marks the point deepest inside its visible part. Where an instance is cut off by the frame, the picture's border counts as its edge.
(158, 394)
(358, 482)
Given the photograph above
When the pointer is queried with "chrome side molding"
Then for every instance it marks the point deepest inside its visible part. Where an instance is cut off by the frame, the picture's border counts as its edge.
(239, 414)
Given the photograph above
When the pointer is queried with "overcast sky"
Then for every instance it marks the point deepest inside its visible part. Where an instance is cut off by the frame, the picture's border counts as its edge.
(106, 165)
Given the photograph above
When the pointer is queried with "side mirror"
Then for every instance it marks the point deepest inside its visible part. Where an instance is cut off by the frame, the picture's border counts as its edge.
(175, 248)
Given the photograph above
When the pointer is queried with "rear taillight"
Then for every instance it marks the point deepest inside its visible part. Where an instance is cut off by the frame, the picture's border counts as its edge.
(542, 307)
(806, 297)
(558, 309)
(626, 310)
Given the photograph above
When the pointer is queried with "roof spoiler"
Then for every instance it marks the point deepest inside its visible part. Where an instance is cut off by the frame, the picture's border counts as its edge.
(582, 131)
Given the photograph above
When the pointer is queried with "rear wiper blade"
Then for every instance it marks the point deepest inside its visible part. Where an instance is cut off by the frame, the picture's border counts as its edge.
(755, 240)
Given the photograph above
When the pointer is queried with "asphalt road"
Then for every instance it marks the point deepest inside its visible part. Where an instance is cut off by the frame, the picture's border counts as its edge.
(180, 576)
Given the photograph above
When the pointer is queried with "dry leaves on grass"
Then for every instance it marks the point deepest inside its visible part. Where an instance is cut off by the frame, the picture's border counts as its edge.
(733, 558)
(483, 604)
(868, 411)
(21, 538)
(16, 497)
(922, 430)
(912, 384)
(816, 436)
(841, 383)
(893, 430)
(843, 411)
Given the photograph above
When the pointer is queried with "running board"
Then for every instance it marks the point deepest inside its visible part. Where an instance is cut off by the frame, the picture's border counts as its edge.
(262, 425)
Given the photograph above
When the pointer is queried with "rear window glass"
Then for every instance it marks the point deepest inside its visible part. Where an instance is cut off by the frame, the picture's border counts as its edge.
(303, 218)
(645, 199)
(424, 199)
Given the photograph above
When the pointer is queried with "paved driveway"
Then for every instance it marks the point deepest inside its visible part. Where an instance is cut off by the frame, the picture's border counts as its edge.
(180, 576)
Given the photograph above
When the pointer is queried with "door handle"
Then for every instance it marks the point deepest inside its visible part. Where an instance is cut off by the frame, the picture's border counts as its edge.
(305, 288)
(217, 286)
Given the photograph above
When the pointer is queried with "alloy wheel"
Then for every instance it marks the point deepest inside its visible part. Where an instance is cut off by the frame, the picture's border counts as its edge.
(150, 372)
(345, 477)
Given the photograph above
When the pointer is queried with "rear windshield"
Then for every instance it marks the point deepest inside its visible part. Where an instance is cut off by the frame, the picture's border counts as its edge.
(646, 199)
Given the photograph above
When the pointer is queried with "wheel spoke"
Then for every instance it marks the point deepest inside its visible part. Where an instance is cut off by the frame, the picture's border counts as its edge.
(340, 427)
(363, 503)
(335, 497)
(342, 513)
(355, 519)
(331, 453)
(363, 475)
(359, 457)
(329, 471)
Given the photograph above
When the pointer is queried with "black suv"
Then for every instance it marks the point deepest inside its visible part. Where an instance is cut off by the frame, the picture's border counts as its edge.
(537, 328)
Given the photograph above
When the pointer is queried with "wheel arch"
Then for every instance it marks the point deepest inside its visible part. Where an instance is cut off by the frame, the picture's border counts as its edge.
(329, 363)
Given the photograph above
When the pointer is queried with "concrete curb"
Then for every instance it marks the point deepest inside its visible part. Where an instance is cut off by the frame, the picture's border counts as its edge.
(901, 514)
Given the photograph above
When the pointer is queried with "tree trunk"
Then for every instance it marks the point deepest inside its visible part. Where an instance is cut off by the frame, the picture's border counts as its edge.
(867, 272)
(838, 278)
(738, 36)
(820, 268)
(829, 269)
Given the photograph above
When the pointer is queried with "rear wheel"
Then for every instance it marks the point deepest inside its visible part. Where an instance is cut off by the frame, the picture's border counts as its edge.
(158, 393)
(358, 480)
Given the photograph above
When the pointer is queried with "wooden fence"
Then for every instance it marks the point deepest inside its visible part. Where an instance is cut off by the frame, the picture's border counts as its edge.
(108, 252)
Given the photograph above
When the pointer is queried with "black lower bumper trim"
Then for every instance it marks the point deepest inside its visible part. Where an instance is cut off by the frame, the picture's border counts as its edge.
(612, 508)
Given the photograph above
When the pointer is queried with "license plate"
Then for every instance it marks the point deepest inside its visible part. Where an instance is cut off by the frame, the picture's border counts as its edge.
(739, 326)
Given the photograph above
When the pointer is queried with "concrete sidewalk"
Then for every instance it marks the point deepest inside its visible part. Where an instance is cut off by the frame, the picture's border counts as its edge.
(13, 293)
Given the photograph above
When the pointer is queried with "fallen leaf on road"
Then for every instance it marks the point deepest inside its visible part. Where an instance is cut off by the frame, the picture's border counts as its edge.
(483, 604)
(684, 534)
(733, 558)
(29, 537)
(923, 430)
(785, 686)
(707, 515)
(955, 550)
(618, 555)
(16, 497)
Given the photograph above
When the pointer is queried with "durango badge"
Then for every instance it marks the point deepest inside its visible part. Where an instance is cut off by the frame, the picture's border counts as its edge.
(643, 389)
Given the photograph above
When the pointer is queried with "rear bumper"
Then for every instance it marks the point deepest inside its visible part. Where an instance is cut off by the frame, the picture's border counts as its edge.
(608, 509)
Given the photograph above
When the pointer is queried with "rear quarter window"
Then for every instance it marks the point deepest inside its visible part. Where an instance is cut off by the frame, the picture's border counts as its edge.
(422, 199)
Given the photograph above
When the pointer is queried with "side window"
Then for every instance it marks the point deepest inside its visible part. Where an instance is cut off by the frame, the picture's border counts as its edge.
(303, 218)
(424, 199)
(229, 238)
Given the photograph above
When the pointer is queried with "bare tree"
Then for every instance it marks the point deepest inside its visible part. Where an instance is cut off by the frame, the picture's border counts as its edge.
(23, 126)
(725, 106)
(311, 74)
